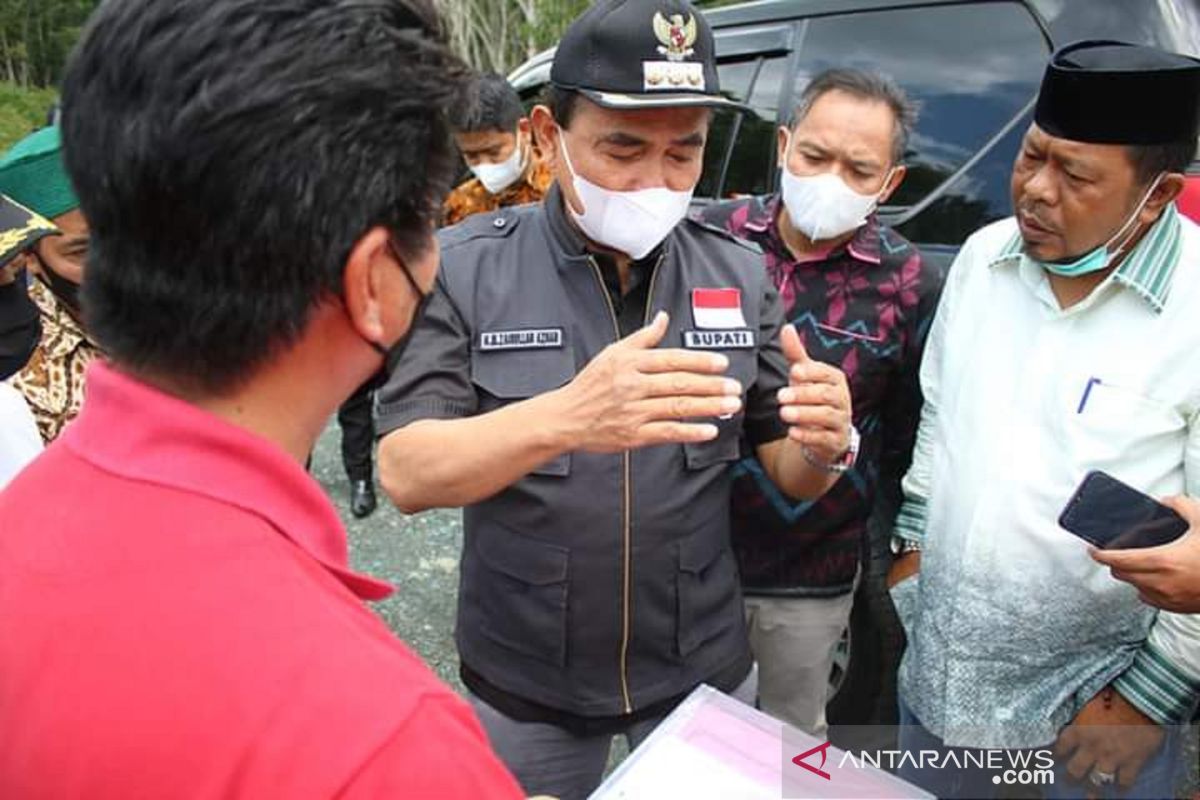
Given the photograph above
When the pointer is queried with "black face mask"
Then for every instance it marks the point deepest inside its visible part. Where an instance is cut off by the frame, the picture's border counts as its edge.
(20, 327)
(65, 290)
(392, 355)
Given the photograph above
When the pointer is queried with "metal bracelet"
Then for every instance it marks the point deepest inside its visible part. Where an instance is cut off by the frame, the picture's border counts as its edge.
(845, 461)
(837, 467)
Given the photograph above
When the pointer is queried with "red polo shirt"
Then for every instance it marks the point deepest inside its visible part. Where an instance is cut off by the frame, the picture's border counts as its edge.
(178, 619)
(1189, 201)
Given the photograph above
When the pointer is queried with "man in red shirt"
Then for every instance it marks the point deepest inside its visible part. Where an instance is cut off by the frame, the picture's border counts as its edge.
(1189, 199)
(178, 616)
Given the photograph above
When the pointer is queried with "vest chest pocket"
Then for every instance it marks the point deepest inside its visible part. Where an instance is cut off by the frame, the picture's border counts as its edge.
(726, 448)
(505, 376)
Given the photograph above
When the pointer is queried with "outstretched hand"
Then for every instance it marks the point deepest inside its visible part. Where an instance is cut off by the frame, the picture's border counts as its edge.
(816, 405)
(634, 394)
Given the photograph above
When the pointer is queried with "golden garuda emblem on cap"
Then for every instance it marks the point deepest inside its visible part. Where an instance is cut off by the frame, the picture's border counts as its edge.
(676, 35)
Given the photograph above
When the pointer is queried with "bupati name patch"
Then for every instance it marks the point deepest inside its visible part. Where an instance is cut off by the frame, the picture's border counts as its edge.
(738, 339)
(530, 339)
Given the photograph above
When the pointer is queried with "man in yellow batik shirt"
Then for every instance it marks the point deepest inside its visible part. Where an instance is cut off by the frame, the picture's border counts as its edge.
(495, 139)
(32, 174)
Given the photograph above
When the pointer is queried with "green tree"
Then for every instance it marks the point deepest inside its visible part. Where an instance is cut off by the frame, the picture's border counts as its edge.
(36, 36)
(497, 35)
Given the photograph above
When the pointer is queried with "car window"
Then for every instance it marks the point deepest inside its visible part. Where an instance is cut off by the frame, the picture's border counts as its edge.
(1169, 24)
(971, 69)
(977, 197)
(746, 169)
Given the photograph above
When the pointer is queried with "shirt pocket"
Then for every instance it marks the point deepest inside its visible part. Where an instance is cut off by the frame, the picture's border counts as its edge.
(508, 376)
(726, 448)
(1110, 421)
(863, 357)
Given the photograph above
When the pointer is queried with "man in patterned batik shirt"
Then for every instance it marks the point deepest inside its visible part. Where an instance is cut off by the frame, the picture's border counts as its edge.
(862, 299)
(495, 139)
(32, 174)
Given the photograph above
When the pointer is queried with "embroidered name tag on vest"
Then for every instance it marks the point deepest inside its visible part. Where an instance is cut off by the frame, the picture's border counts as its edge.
(529, 339)
(737, 339)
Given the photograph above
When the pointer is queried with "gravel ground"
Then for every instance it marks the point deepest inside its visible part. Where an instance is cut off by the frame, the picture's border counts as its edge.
(418, 555)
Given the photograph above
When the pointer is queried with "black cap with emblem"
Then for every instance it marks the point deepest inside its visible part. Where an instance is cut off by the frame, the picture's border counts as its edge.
(640, 54)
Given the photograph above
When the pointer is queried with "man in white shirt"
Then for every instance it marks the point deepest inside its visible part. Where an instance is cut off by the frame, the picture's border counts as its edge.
(1066, 340)
(1166, 577)
(20, 441)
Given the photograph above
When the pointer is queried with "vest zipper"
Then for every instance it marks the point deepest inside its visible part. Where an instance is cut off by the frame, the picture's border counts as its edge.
(626, 495)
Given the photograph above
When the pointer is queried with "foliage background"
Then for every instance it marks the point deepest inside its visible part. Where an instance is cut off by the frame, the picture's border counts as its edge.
(36, 37)
(497, 35)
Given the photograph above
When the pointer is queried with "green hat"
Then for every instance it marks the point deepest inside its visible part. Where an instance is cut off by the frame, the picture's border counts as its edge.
(33, 174)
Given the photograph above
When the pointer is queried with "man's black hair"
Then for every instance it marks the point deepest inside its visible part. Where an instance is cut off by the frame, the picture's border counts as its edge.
(561, 102)
(1151, 160)
(228, 154)
(864, 85)
(496, 107)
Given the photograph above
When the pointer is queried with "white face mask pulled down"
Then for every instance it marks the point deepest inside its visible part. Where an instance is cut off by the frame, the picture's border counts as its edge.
(822, 206)
(634, 222)
(498, 177)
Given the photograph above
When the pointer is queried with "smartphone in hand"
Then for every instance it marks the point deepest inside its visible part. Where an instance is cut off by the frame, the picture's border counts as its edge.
(1114, 516)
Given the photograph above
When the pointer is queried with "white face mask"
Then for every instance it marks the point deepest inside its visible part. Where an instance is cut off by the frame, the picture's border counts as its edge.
(634, 222)
(822, 206)
(498, 177)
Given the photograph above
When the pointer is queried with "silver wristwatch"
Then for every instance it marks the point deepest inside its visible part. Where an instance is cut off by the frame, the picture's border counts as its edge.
(902, 546)
(845, 462)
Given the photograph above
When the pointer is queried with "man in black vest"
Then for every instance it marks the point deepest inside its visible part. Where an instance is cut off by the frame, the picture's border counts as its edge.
(580, 382)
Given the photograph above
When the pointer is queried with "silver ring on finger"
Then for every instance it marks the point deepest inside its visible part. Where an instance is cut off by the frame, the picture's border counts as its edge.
(1099, 778)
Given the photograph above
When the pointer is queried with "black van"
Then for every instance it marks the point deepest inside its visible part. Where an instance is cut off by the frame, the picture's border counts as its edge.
(975, 68)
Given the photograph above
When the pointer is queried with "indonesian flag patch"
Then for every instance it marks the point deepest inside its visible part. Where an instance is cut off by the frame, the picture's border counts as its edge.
(717, 309)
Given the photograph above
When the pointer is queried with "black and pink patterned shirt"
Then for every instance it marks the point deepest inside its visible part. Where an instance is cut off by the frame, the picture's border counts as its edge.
(865, 307)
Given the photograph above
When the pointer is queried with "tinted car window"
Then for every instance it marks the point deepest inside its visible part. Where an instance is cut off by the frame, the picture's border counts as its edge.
(975, 198)
(971, 68)
(747, 168)
(1170, 24)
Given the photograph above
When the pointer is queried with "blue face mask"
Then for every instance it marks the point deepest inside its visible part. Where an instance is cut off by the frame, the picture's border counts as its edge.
(1103, 256)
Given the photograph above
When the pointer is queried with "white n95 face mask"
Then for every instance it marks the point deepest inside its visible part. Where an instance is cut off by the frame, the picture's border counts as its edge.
(498, 177)
(634, 222)
(822, 206)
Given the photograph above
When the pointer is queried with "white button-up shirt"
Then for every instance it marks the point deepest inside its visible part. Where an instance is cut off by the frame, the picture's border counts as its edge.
(20, 441)
(1012, 626)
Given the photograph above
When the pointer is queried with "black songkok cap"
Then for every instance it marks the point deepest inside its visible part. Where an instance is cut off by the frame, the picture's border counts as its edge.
(1106, 92)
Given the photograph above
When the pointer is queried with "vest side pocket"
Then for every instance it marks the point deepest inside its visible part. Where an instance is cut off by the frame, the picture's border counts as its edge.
(514, 588)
